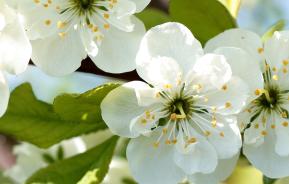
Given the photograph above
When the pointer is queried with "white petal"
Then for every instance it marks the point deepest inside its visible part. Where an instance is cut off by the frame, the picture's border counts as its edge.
(4, 93)
(282, 136)
(170, 40)
(212, 70)
(150, 165)
(40, 21)
(15, 49)
(141, 4)
(229, 100)
(118, 49)
(88, 41)
(224, 170)
(277, 49)
(120, 108)
(265, 158)
(227, 139)
(240, 38)
(59, 55)
(200, 158)
(162, 72)
(239, 60)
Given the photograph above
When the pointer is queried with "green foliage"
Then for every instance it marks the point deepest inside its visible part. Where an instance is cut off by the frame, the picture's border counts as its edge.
(152, 17)
(5, 180)
(278, 26)
(268, 180)
(28, 119)
(205, 18)
(87, 168)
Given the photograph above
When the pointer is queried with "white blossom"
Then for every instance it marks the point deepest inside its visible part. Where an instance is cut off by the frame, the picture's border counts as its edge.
(64, 32)
(181, 121)
(15, 50)
(31, 158)
(266, 137)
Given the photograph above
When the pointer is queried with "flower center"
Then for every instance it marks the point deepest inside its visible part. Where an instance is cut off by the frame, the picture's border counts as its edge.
(270, 99)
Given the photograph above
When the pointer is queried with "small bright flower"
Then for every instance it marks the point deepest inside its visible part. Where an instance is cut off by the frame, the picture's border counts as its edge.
(64, 32)
(31, 158)
(266, 139)
(181, 121)
(15, 50)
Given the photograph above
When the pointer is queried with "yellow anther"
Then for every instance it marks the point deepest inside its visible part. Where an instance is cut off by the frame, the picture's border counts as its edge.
(49, 1)
(47, 22)
(175, 141)
(153, 117)
(62, 35)
(46, 5)
(274, 69)
(197, 87)
(61, 24)
(95, 29)
(165, 130)
(256, 126)
(260, 50)
(222, 134)
(285, 62)
(284, 114)
(192, 140)
(275, 77)
(273, 126)
(167, 86)
(249, 110)
(264, 133)
(207, 133)
(224, 87)
(168, 142)
(156, 144)
(143, 121)
(228, 105)
(148, 114)
(285, 70)
(106, 15)
(106, 26)
(173, 116)
(258, 92)
(158, 95)
(285, 124)
(36, 1)
(214, 122)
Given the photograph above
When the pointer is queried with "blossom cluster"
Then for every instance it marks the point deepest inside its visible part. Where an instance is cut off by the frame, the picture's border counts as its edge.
(186, 118)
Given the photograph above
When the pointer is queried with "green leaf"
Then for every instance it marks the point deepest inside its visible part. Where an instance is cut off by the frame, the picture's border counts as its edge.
(278, 26)
(268, 180)
(205, 18)
(232, 5)
(5, 180)
(89, 167)
(152, 17)
(28, 119)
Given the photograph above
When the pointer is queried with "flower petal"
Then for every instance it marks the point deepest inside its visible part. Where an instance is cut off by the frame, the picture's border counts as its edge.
(150, 165)
(227, 139)
(276, 49)
(240, 38)
(169, 40)
(200, 158)
(141, 4)
(15, 49)
(229, 99)
(224, 170)
(282, 136)
(239, 60)
(265, 158)
(59, 55)
(120, 108)
(211, 70)
(4, 93)
(118, 49)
